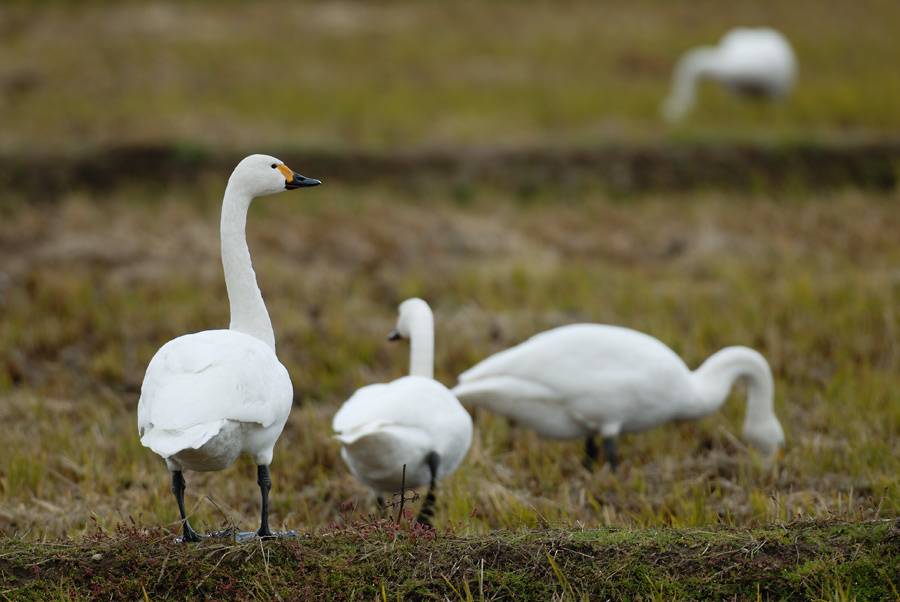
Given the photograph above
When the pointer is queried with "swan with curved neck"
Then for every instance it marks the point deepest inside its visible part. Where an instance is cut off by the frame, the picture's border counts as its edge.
(413, 421)
(416, 323)
(211, 396)
(751, 62)
(584, 380)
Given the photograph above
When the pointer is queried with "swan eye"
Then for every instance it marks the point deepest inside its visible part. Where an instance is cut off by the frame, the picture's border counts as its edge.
(274, 166)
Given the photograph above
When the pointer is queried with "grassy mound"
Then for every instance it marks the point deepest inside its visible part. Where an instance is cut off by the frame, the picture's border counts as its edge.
(367, 559)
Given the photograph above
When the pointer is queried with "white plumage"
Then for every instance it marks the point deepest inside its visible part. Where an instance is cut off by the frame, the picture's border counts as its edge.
(413, 421)
(583, 380)
(747, 61)
(211, 396)
(199, 384)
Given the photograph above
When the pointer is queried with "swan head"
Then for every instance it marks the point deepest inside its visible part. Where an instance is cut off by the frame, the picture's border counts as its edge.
(411, 312)
(766, 435)
(261, 175)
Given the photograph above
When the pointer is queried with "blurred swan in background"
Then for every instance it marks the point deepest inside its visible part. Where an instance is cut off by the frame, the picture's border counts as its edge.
(211, 396)
(413, 421)
(584, 380)
(748, 61)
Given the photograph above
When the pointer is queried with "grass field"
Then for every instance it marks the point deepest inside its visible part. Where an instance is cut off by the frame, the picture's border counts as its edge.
(93, 287)
(97, 285)
(96, 278)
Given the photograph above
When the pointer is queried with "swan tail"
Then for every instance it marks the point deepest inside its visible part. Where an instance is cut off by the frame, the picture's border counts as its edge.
(361, 431)
(496, 390)
(168, 442)
(471, 392)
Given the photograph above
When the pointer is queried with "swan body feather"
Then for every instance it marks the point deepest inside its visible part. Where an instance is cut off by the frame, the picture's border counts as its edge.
(748, 62)
(583, 380)
(384, 426)
(197, 384)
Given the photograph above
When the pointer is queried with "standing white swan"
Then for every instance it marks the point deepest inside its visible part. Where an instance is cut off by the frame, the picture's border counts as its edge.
(584, 380)
(413, 421)
(748, 61)
(211, 396)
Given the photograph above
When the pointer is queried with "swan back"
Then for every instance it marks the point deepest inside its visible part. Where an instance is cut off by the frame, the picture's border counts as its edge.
(756, 61)
(580, 380)
(410, 401)
(198, 383)
(384, 426)
(562, 357)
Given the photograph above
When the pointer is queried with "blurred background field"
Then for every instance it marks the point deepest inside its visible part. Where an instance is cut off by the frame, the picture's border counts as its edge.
(96, 272)
(397, 74)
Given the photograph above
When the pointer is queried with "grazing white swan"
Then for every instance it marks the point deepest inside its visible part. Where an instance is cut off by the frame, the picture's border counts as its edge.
(413, 421)
(748, 61)
(584, 380)
(211, 396)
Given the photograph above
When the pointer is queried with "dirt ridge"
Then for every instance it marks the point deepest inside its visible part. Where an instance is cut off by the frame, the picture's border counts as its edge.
(623, 169)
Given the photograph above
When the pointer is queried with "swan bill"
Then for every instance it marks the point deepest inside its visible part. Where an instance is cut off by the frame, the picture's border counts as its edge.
(301, 182)
(293, 180)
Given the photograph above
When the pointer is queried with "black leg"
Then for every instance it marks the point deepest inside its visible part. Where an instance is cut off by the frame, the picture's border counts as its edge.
(426, 513)
(178, 487)
(265, 484)
(609, 449)
(591, 452)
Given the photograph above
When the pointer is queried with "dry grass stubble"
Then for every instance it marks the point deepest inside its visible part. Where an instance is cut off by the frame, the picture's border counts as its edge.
(90, 289)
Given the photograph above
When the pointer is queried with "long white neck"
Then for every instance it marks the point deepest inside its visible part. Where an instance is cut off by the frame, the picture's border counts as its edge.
(248, 310)
(421, 344)
(691, 67)
(716, 376)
